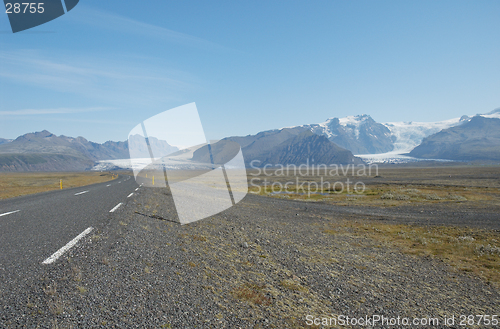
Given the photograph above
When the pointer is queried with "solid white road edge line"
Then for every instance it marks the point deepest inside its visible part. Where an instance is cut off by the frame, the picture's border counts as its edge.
(130, 195)
(81, 193)
(116, 207)
(8, 213)
(70, 244)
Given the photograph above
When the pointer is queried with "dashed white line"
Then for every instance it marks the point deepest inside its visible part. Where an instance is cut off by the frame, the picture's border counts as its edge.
(136, 189)
(8, 213)
(70, 244)
(130, 195)
(119, 182)
(108, 185)
(81, 193)
(116, 207)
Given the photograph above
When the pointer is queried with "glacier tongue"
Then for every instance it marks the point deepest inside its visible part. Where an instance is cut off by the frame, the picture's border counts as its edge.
(410, 134)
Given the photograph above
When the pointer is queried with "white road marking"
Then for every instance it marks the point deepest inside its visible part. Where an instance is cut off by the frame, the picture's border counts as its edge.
(70, 244)
(108, 185)
(136, 189)
(130, 195)
(116, 207)
(8, 213)
(81, 193)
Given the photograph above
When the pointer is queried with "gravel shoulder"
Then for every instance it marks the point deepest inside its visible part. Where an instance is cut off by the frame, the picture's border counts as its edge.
(265, 263)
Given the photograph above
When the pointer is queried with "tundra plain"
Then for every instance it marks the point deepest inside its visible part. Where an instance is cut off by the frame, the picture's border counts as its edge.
(273, 259)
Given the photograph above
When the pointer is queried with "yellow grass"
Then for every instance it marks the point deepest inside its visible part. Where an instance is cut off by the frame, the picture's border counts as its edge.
(251, 293)
(470, 250)
(17, 184)
(394, 187)
(383, 195)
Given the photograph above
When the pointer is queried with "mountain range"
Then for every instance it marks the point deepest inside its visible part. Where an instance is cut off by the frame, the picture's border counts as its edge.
(363, 135)
(284, 146)
(333, 141)
(5, 141)
(44, 151)
(477, 139)
(307, 148)
(360, 134)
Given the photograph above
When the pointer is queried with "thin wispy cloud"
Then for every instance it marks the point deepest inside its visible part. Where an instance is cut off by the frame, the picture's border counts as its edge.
(55, 111)
(117, 81)
(105, 20)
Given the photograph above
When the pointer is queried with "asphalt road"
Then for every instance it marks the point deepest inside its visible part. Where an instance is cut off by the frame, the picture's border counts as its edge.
(142, 269)
(34, 227)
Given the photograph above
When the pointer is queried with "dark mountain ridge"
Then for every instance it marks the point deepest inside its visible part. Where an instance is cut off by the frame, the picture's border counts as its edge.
(307, 148)
(279, 147)
(478, 139)
(5, 141)
(44, 151)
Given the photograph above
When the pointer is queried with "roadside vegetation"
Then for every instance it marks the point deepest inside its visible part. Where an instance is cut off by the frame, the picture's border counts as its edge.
(385, 187)
(382, 195)
(471, 250)
(268, 263)
(17, 184)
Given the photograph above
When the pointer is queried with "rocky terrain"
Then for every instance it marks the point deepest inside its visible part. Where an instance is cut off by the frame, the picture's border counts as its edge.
(265, 263)
(16, 162)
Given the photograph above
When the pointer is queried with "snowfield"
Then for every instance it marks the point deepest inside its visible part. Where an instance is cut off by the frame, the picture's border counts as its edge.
(410, 134)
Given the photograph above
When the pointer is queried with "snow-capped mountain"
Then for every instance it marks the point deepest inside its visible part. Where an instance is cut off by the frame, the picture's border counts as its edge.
(408, 135)
(495, 114)
(360, 134)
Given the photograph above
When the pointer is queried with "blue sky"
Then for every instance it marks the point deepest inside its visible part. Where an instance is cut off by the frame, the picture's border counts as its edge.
(250, 66)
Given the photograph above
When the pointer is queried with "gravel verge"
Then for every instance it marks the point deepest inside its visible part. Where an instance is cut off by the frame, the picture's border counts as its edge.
(265, 263)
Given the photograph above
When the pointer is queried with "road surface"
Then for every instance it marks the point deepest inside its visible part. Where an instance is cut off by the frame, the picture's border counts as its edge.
(36, 229)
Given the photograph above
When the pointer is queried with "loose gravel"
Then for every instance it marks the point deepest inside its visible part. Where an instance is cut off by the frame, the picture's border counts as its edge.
(265, 263)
